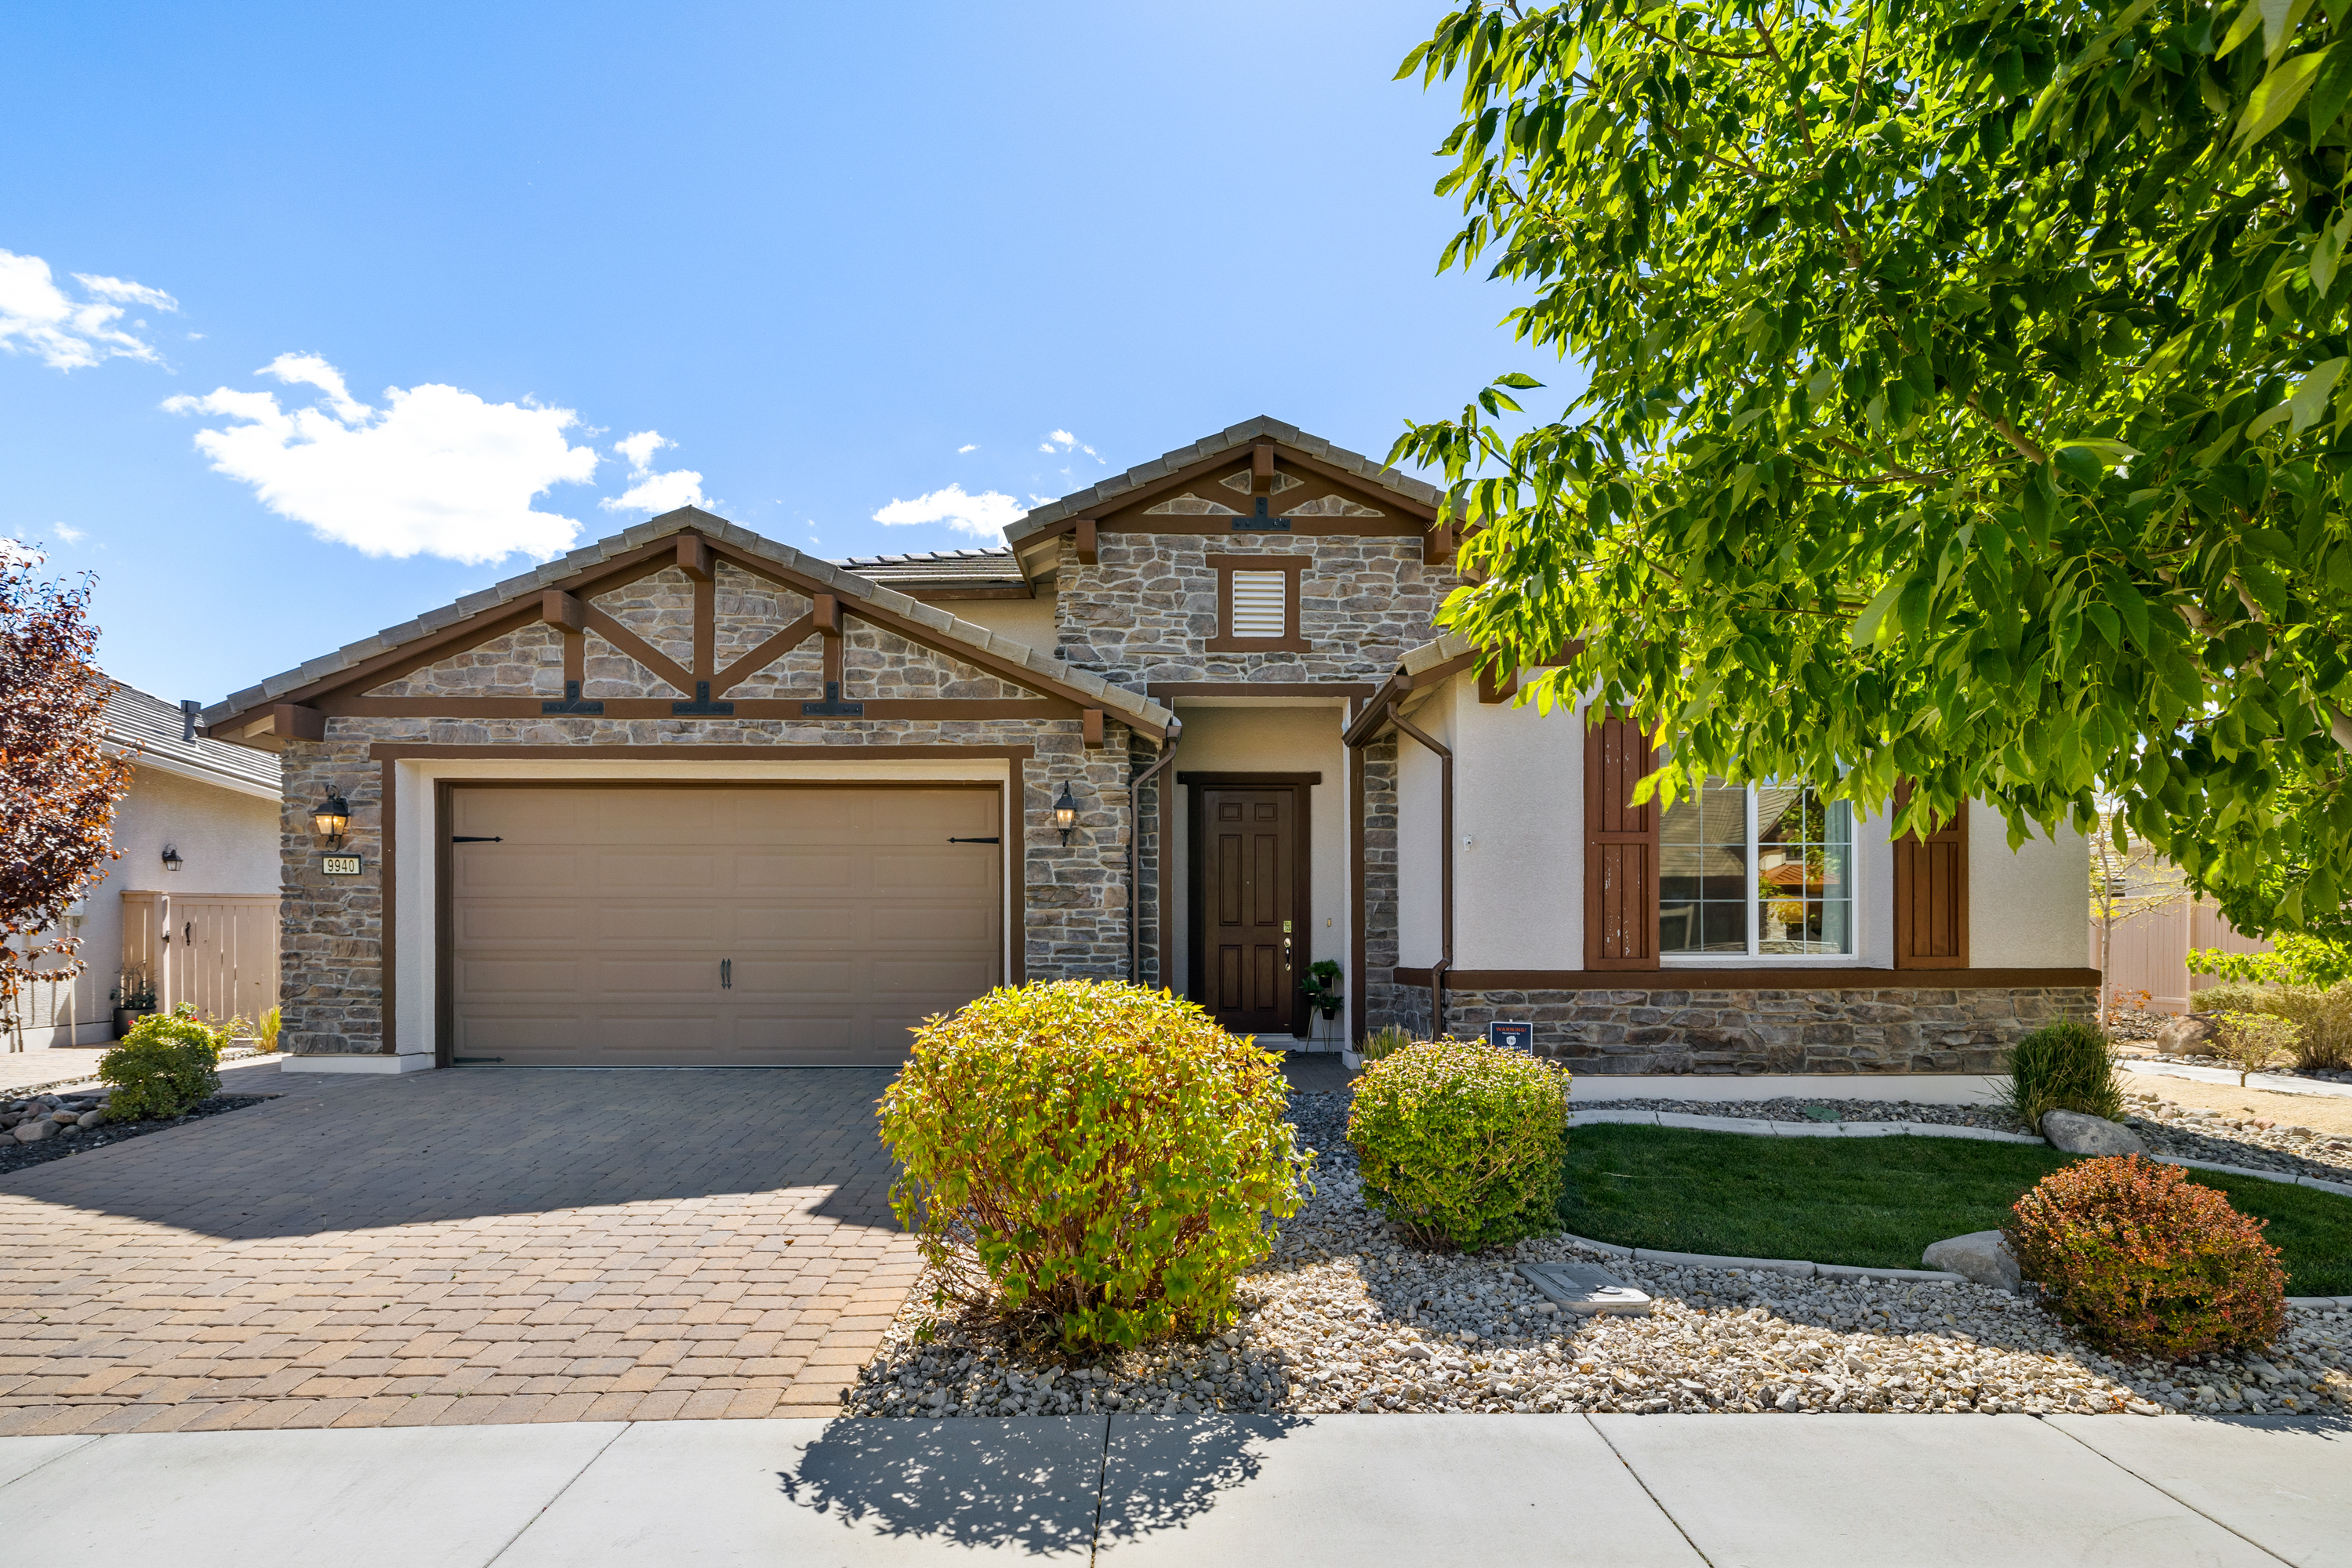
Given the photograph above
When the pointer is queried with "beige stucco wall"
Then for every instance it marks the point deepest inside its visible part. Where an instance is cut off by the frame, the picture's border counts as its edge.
(2027, 910)
(1294, 738)
(227, 842)
(1518, 850)
(1029, 621)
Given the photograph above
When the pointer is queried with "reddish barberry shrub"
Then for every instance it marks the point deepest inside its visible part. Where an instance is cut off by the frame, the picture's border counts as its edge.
(2142, 1260)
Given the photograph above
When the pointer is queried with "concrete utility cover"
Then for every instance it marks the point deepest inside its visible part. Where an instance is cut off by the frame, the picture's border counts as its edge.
(1581, 1287)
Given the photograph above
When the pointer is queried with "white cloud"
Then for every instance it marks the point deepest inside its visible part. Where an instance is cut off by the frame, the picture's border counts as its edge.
(983, 516)
(437, 471)
(654, 494)
(66, 532)
(1064, 441)
(974, 446)
(70, 334)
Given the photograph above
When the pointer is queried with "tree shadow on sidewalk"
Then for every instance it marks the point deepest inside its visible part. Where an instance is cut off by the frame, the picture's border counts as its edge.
(1033, 1483)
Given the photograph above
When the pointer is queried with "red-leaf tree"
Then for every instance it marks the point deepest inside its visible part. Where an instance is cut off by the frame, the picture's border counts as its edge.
(57, 785)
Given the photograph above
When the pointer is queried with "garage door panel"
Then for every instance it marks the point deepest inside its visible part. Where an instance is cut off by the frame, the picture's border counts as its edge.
(595, 933)
(665, 924)
(810, 978)
(898, 869)
(487, 869)
(688, 1039)
(673, 871)
(479, 975)
(824, 868)
(506, 921)
(826, 925)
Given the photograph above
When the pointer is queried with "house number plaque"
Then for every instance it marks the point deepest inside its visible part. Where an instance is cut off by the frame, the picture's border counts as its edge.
(340, 865)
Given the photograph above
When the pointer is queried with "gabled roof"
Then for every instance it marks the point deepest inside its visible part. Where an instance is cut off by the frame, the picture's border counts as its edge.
(1045, 671)
(1080, 502)
(149, 730)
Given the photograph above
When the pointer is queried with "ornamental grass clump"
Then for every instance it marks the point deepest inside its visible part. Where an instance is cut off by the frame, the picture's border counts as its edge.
(1461, 1144)
(2141, 1260)
(165, 1067)
(1091, 1161)
(2065, 1066)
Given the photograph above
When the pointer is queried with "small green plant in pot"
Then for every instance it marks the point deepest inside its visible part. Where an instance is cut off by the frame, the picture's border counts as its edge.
(1092, 1161)
(165, 1067)
(1461, 1143)
(2065, 1066)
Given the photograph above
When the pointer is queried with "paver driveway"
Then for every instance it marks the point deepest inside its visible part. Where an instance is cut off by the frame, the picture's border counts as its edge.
(482, 1245)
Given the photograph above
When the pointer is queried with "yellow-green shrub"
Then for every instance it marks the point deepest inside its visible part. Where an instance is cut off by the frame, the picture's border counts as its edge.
(1091, 1159)
(2323, 1020)
(1461, 1142)
(165, 1067)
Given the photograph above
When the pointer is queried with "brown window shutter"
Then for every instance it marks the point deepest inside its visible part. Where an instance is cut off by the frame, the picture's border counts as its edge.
(1620, 849)
(1931, 895)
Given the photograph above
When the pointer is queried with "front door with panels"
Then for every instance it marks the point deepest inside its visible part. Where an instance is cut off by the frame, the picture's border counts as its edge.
(799, 925)
(1249, 906)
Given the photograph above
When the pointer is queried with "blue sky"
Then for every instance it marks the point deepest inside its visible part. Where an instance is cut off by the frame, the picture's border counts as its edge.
(320, 319)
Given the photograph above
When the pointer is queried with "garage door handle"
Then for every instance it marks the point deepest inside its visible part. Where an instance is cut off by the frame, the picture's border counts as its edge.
(974, 841)
(727, 975)
(462, 838)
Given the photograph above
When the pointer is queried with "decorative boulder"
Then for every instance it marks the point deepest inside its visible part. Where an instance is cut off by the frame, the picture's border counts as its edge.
(2072, 1133)
(2190, 1035)
(32, 1129)
(1981, 1256)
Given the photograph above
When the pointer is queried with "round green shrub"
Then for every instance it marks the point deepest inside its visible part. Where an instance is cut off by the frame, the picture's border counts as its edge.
(165, 1067)
(1462, 1144)
(2065, 1066)
(2144, 1260)
(1091, 1160)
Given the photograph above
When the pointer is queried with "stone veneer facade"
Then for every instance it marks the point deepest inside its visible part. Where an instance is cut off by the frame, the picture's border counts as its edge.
(1073, 897)
(1148, 609)
(1913, 1027)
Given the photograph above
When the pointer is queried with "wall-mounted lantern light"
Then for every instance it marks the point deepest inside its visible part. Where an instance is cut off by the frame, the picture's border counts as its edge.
(171, 856)
(1065, 812)
(330, 818)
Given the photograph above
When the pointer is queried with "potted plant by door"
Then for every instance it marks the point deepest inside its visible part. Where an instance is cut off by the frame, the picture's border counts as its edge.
(1321, 989)
(134, 998)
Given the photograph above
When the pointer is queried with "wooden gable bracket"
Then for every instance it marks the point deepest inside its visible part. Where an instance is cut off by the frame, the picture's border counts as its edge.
(1495, 687)
(563, 612)
(1262, 468)
(694, 556)
(290, 722)
(1090, 546)
(1090, 725)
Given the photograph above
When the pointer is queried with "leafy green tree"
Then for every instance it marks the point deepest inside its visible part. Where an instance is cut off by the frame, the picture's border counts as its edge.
(1966, 404)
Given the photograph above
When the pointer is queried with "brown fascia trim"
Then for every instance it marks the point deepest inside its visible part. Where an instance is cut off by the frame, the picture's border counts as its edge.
(687, 751)
(1374, 718)
(1338, 691)
(1755, 979)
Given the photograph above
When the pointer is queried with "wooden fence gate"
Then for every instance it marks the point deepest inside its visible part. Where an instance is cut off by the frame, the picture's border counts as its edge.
(216, 951)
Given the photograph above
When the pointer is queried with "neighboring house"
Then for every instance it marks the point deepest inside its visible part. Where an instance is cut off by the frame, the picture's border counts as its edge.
(688, 796)
(192, 903)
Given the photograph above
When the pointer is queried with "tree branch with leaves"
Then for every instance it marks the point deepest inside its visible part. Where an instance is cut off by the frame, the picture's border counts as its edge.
(59, 787)
(1965, 404)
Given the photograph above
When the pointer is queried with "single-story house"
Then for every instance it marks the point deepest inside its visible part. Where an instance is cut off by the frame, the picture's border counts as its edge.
(689, 795)
(190, 906)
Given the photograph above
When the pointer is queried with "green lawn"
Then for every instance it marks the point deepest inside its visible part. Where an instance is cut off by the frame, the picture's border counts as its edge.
(1876, 1202)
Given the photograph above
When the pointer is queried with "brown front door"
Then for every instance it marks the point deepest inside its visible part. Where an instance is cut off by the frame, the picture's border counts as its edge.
(1252, 916)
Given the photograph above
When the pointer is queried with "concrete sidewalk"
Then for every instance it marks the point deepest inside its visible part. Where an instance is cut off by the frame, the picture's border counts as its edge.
(1348, 1489)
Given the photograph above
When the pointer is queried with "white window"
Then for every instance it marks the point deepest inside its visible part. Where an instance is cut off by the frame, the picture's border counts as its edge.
(1261, 605)
(1755, 870)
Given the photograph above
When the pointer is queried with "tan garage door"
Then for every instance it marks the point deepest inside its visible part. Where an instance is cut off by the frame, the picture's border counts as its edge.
(690, 927)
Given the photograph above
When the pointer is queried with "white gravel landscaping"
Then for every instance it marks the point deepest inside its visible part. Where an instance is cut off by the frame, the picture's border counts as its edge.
(1344, 1317)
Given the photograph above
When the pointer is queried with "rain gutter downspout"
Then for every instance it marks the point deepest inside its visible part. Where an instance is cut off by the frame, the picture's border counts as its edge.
(1135, 859)
(1446, 872)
